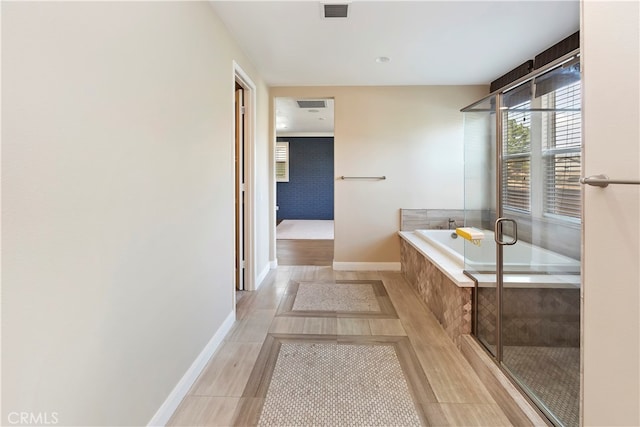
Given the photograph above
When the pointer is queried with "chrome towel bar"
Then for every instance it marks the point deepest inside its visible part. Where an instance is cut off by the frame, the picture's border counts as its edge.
(604, 181)
(362, 177)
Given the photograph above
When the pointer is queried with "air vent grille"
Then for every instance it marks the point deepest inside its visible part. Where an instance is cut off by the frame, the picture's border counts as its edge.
(308, 103)
(336, 10)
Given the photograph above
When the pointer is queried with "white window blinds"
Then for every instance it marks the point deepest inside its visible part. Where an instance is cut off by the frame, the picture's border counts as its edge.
(516, 179)
(561, 151)
(282, 162)
(547, 137)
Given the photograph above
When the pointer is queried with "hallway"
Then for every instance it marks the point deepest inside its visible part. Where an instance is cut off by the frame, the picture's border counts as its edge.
(315, 346)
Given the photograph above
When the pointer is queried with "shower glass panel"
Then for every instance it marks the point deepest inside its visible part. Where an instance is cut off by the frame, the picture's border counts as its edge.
(541, 163)
(522, 169)
(479, 204)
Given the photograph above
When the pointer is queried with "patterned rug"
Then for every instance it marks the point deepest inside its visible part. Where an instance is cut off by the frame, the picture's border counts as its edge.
(305, 229)
(336, 297)
(330, 384)
(342, 298)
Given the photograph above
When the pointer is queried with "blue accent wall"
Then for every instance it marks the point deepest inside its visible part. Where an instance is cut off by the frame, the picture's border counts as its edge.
(309, 192)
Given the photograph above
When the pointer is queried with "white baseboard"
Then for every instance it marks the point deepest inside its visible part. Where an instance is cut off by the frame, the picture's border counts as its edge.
(274, 264)
(366, 266)
(181, 389)
(262, 276)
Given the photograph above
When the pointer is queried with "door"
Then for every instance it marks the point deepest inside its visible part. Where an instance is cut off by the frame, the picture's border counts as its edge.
(522, 189)
(539, 239)
(239, 189)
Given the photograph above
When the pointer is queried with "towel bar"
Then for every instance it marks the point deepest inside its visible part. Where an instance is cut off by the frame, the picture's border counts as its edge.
(604, 181)
(362, 177)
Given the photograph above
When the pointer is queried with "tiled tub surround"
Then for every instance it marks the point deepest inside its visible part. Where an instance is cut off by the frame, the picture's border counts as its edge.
(448, 300)
(539, 310)
(430, 219)
(547, 317)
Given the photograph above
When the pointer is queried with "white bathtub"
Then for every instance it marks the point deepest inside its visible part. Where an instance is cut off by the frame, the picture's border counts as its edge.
(547, 270)
(519, 258)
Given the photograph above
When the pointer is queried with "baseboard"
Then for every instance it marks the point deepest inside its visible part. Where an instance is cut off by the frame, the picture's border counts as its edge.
(366, 266)
(274, 264)
(181, 389)
(262, 276)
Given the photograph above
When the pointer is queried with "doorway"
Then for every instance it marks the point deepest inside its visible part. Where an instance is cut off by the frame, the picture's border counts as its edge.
(244, 166)
(304, 165)
(240, 256)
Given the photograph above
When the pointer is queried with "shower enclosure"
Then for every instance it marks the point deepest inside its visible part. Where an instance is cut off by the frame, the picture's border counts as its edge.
(522, 170)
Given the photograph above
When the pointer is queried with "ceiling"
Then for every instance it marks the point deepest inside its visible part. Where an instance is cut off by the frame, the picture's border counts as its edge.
(292, 119)
(427, 42)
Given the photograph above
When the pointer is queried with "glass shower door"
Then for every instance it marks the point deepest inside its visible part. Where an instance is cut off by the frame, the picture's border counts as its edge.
(540, 197)
(523, 197)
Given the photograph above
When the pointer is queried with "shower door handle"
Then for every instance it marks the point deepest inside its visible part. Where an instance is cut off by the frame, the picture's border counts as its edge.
(497, 232)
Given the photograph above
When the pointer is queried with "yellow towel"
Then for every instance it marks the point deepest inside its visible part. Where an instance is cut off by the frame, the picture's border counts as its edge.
(470, 233)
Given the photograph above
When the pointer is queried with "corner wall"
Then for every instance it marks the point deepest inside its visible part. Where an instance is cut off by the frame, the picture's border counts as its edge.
(414, 137)
(117, 202)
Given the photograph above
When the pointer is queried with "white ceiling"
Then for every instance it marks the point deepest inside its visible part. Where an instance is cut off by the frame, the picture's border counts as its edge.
(428, 42)
(293, 120)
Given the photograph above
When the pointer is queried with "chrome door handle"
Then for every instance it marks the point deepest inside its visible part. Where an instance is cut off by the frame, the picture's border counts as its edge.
(497, 231)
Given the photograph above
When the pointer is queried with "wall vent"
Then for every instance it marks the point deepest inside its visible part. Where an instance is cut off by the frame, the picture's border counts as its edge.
(310, 103)
(336, 10)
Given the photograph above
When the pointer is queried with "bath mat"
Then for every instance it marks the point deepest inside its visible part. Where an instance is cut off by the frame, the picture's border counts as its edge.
(342, 298)
(332, 384)
(336, 297)
(322, 381)
(305, 229)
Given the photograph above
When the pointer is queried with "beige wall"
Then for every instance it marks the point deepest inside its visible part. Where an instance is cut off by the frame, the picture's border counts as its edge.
(411, 135)
(117, 202)
(611, 291)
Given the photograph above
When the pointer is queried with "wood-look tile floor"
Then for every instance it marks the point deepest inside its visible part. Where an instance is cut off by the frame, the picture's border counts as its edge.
(304, 252)
(397, 332)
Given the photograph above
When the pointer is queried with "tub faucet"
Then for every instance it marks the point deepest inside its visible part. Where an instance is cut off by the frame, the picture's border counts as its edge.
(452, 223)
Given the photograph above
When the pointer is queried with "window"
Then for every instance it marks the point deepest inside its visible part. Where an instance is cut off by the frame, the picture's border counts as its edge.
(561, 150)
(542, 148)
(517, 158)
(282, 162)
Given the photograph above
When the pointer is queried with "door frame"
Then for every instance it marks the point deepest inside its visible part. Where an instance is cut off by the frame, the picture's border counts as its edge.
(248, 159)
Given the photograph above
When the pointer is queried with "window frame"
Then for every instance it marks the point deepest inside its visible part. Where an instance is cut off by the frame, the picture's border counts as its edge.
(541, 154)
(282, 146)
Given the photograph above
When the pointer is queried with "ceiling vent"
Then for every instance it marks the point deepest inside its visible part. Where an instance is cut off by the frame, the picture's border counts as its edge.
(335, 10)
(306, 103)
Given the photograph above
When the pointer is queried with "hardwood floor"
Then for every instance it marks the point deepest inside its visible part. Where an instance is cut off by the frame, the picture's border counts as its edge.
(235, 386)
(304, 252)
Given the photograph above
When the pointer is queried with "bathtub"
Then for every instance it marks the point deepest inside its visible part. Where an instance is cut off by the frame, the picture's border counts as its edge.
(519, 258)
(525, 265)
(433, 264)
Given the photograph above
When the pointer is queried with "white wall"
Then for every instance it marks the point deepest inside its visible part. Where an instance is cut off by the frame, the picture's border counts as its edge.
(413, 136)
(611, 291)
(117, 202)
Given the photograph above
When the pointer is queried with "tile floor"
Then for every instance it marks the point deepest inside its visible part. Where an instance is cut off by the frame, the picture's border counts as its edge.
(364, 360)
